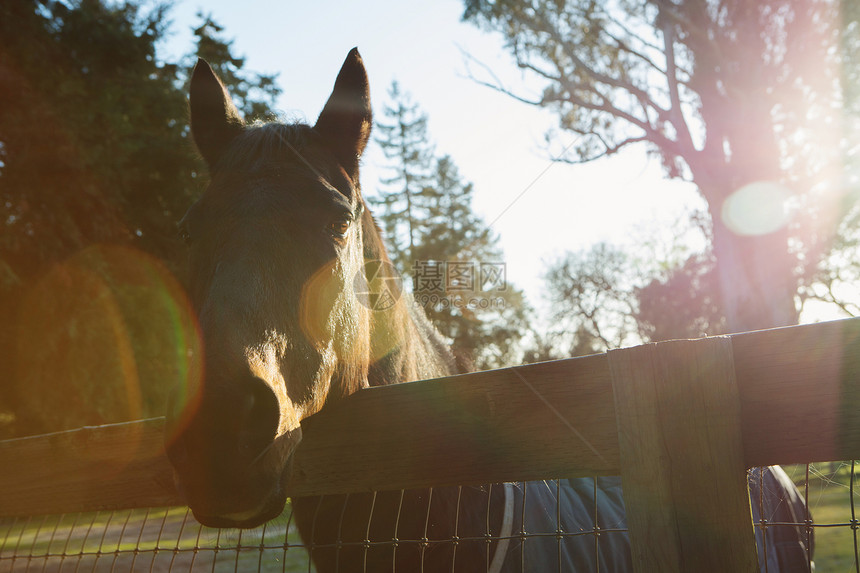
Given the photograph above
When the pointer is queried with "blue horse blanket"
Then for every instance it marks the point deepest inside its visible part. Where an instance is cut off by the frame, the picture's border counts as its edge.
(537, 510)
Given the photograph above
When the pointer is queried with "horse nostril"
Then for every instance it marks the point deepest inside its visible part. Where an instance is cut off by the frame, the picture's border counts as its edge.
(259, 416)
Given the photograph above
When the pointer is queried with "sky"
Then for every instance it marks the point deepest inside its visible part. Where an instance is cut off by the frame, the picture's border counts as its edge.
(540, 209)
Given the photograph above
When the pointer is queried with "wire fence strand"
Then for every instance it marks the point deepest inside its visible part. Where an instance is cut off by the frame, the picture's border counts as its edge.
(169, 539)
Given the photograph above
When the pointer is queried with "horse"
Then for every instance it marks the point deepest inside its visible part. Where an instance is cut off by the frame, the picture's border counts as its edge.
(278, 242)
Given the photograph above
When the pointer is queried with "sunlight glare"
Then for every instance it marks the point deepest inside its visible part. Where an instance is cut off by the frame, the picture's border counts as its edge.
(756, 209)
(104, 337)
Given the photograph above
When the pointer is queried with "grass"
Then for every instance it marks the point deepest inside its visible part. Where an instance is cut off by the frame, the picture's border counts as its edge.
(829, 493)
(154, 539)
(157, 539)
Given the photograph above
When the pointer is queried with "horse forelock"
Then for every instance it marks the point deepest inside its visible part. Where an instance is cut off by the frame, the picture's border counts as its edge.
(264, 144)
(285, 150)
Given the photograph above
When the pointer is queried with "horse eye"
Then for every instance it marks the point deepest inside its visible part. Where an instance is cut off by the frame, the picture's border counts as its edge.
(340, 227)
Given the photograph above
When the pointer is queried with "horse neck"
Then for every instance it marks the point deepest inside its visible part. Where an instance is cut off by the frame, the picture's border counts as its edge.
(405, 346)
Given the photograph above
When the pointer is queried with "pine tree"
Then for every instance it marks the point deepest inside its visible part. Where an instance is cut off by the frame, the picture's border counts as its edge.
(457, 268)
(253, 93)
(96, 169)
(404, 197)
(449, 226)
(92, 129)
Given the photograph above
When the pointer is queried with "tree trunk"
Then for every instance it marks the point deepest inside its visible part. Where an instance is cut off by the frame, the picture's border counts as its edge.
(757, 286)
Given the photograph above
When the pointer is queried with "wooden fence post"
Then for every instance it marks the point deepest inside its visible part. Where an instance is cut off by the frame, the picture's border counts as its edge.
(682, 465)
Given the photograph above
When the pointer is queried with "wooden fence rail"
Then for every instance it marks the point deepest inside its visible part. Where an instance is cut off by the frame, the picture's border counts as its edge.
(722, 404)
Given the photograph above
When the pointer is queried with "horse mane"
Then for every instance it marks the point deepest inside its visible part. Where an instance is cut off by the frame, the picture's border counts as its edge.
(420, 351)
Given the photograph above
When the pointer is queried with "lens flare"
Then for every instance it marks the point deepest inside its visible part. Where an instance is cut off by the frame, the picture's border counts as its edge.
(103, 337)
(756, 209)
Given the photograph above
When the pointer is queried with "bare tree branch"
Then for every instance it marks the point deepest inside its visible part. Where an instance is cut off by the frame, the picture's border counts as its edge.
(676, 114)
(579, 64)
(830, 297)
(496, 84)
(652, 133)
(624, 47)
(607, 150)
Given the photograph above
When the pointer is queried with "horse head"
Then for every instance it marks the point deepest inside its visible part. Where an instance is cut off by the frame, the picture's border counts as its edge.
(276, 243)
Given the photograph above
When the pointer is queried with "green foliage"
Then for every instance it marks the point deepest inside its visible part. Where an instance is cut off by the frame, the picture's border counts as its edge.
(833, 280)
(593, 298)
(92, 131)
(404, 198)
(94, 151)
(103, 337)
(425, 208)
(611, 296)
(96, 168)
(683, 302)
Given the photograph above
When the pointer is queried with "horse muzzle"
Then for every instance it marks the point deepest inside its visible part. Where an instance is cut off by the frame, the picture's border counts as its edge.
(246, 519)
(225, 492)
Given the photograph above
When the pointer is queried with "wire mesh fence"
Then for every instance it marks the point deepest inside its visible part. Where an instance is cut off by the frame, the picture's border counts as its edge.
(169, 539)
(831, 493)
(157, 539)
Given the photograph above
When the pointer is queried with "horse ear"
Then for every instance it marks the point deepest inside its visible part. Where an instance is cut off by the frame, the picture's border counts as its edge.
(215, 121)
(346, 119)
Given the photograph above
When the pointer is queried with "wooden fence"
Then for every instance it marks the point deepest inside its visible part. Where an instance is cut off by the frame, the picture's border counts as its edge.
(714, 407)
